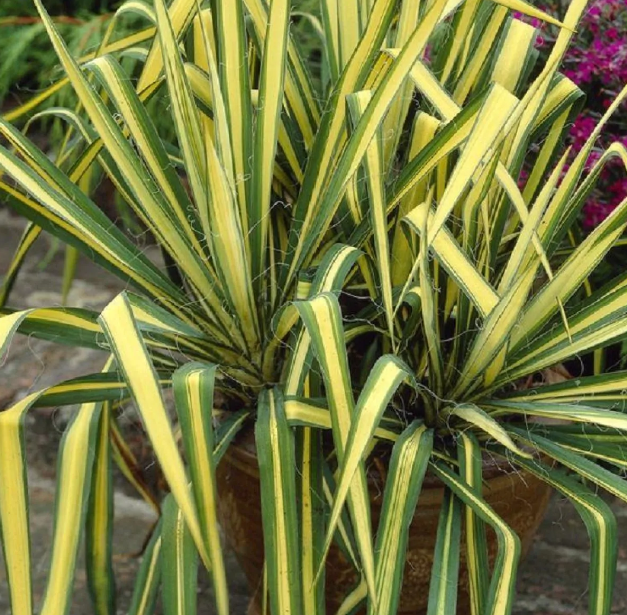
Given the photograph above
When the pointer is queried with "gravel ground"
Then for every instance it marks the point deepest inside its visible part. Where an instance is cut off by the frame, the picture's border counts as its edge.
(552, 580)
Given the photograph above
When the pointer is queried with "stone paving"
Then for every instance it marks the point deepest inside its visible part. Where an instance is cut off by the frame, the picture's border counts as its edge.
(552, 580)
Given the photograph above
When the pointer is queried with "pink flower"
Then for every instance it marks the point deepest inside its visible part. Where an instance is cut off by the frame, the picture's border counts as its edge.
(611, 33)
(581, 130)
(597, 62)
(522, 178)
(594, 213)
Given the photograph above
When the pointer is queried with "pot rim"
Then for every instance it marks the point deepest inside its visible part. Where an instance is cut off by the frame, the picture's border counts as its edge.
(496, 476)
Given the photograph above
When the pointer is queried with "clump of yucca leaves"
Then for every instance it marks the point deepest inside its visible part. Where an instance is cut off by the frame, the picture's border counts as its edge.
(396, 184)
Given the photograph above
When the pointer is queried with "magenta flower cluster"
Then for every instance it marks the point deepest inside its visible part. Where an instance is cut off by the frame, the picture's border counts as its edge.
(597, 62)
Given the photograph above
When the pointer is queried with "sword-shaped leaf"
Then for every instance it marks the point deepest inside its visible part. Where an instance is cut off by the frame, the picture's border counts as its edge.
(71, 505)
(179, 563)
(214, 196)
(408, 466)
(14, 510)
(271, 92)
(230, 36)
(277, 473)
(479, 418)
(135, 175)
(99, 529)
(30, 234)
(601, 525)
(148, 576)
(501, 592)
(375, 181)
(323, 320)
(134, 362)
(583, 467)
(312, 516)
(470, 467)
(383, 381)
(443, 587)
(193, 386)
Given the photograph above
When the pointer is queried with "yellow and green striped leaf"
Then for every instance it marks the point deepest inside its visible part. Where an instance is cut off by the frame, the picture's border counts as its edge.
(395, 119)
(134, 362)
(597, 443)
(598, 322)
(74, 476)
(30, 234)
(471, 470)
(479, 418)
(230, 35)
(485, 136)
(312, 516)
(330, 276)
(600, 524)
(121, 44)
(73, 491)
(588, 389)
(383, 381)
(408, 466)
(302, 100)
(585, 468)
(193, 386)
(271, 92)
(305, 413)
(487, 351)
(14, 510)
(143, 133)
(179, 563)
(453, 259)
(307, 218)
(323, 320)
(531, 11)
(443, 587)
(501, 592)
(83, 226)
(180, 15)
(99, 528)
(429, 311)
(215, 199)
(277, 473)
(318, 218)
(148, 576)
(375, 181)
(572, 273)
(122, 152)
(574, 412)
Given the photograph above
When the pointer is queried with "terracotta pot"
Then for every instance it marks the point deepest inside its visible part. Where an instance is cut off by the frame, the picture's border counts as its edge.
(520, 499)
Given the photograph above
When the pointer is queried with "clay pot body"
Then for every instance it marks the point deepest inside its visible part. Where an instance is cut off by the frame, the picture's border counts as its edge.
(519, 498)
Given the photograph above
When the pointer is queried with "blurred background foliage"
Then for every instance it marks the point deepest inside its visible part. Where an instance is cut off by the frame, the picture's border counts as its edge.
(25, 56)
(29, 65)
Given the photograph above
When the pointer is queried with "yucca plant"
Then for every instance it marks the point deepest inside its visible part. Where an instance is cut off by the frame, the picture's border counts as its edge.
(397, 184)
